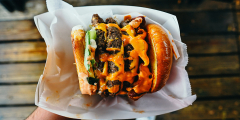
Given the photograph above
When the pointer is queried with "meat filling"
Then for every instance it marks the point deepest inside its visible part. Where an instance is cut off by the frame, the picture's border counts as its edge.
(127, 64)
(114, 38)
(101, 43)
(110, 20)
(96, 20)
(127, 50)
(111, 67)
(113, 83)
(100, 66)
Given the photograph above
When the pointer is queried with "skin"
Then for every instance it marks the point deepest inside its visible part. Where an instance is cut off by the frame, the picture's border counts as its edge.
(41, 114)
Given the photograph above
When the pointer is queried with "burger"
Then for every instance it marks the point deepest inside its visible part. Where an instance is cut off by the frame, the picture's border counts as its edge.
(130, 58)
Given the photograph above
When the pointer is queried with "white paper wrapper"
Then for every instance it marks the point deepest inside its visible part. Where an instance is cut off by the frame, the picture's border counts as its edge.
(58, 89)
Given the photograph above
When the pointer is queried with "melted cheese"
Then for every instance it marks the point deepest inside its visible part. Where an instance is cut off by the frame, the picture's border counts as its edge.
(142, 33)
(119, 62)
(140, 50)
(105, 69)
(113, 49)
(113, 89)
(122, 93)
(113, 25)
(102, 26)
(125, 39)
(141, 47)
(144, 83)
(139, 44)
(104, 57)
(130, 30)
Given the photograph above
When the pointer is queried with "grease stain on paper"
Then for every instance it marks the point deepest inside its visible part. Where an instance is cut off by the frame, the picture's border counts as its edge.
(47, 98)
(172, 96)
(54, 98)
(88, 104)
(138, 111)
(78, 115)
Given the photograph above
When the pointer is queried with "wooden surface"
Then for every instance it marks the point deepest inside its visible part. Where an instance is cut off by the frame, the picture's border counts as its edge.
(209, 28)
(18, 30)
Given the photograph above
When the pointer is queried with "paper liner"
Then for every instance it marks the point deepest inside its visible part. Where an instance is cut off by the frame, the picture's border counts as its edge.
(58, 89)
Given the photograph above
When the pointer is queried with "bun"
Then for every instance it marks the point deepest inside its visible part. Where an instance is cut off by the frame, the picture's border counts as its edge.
(78, 44)
(160, 55)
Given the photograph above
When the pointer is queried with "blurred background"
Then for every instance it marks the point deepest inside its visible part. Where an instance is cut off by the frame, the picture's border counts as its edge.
(210, 28)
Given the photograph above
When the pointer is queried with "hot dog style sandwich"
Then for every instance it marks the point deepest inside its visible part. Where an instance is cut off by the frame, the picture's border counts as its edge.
(127, 59)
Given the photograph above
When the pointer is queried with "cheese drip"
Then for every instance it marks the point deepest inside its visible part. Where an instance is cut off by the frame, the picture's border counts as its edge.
(140, 50)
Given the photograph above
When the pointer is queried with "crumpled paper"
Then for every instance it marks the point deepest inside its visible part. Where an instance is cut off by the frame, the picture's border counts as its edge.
(58, 89)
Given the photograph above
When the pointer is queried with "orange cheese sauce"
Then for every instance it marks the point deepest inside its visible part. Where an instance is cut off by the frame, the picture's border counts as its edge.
(130, 30)
(103, 57)
(142, 33)
(144, 82)
(140, 50)
(92, 50)
(113, 89)
(122, 93)
(139, 44)
(103, 27)
(113, 25)
(118, 75)
(113, 49)
(105, 69)
(141, 47)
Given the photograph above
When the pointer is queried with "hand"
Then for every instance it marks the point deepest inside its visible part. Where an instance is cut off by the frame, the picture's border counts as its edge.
(41, 114)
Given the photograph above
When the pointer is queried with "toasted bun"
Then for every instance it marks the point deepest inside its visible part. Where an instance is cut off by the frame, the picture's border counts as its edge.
(160, 55)
(78, 44)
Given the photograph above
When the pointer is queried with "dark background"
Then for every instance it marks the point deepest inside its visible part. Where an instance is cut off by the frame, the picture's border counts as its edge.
(209, 28)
